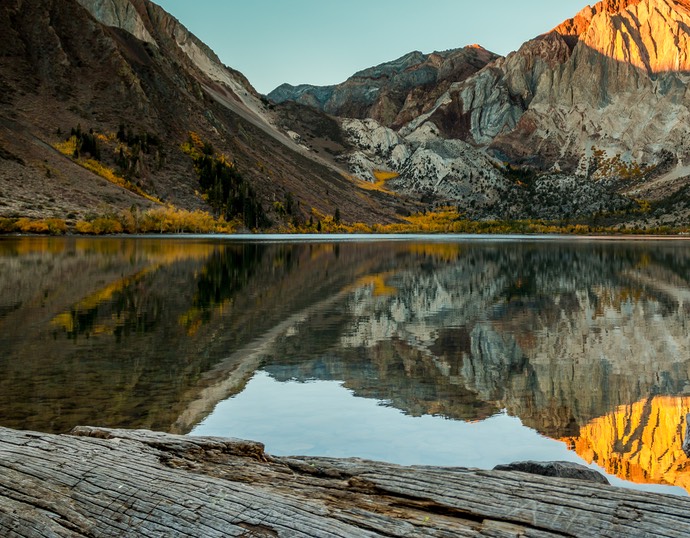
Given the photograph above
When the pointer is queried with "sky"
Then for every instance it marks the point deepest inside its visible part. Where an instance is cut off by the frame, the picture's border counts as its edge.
(325, 41)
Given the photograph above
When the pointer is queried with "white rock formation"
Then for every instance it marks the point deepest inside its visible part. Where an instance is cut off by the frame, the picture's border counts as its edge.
(427, 163)
(119, 14)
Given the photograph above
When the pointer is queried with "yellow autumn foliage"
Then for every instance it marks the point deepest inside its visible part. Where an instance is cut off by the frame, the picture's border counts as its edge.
(384, 175)
(67, 147)
(38, 226)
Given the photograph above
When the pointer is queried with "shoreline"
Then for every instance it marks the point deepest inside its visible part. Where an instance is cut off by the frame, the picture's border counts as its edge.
(364, 237)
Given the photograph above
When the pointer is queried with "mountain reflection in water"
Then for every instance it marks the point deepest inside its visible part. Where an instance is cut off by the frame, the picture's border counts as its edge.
(585, 343)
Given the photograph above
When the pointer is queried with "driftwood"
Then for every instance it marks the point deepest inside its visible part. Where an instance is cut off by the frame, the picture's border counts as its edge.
(98, 482)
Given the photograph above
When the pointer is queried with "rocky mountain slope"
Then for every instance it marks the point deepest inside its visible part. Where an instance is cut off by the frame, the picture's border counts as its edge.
(119, 87)
(578, 121)
(612, 78)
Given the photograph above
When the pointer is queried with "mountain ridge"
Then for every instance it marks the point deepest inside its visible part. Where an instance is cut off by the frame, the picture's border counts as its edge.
(584, 120)
(598, 102)
(147, 78)
(388, 92)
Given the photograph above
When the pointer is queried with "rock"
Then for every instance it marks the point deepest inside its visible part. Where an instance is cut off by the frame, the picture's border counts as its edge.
(427, 164)
(686, 442)
(594, 105)
(559, 469)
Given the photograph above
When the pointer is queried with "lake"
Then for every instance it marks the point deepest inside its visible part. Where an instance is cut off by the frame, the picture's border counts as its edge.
(457, 351)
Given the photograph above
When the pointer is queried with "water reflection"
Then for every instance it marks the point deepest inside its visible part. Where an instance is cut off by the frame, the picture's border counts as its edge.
(641, 442)
(586, 343)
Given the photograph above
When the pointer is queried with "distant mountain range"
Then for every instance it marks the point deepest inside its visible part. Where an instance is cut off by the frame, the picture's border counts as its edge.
(589, 122)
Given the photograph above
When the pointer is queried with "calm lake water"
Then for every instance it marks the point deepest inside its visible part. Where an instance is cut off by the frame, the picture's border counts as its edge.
(444, 350)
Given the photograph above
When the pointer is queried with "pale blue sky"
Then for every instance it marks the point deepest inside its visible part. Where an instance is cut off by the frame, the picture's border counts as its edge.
(324, 41)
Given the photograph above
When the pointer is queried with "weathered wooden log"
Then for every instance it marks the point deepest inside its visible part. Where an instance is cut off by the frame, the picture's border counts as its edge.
(105, 483)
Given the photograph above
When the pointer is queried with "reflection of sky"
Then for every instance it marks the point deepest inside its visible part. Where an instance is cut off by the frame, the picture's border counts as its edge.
(322, 418)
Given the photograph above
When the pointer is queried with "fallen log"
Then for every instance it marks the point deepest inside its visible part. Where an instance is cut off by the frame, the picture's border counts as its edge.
(106, 483)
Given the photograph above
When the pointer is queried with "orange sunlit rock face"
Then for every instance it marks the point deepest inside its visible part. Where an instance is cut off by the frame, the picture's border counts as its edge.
(651, 34)
(640, 442)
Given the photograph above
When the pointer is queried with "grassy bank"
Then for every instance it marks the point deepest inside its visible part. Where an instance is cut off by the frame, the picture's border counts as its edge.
(168, 220)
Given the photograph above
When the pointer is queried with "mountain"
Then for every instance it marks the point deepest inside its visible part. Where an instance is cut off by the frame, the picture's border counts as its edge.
(106, 106)
(584, 119)
(113, 107)
(614, 77)
(392, 93)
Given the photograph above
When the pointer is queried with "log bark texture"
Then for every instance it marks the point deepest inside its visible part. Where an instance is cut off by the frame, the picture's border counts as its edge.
(113, 483)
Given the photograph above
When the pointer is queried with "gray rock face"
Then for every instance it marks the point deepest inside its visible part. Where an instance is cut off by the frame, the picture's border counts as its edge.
(132, 16)
(306, 94)
(427, 164)
(560, 469)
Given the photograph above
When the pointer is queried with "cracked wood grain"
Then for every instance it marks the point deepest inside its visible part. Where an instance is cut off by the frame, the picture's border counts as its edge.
(100, 482)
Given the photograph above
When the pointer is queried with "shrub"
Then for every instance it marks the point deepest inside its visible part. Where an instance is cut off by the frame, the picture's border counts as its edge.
(7, 225)
(31, 226)
(106, 225)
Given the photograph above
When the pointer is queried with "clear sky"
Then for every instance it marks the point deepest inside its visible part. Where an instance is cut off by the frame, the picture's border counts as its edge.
(325, 41)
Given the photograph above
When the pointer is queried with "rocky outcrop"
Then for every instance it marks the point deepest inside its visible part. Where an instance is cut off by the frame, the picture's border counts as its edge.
(426, 165)
(613, 78)
(120, 14)
(137, 16)
(561, 469)
(651, 35)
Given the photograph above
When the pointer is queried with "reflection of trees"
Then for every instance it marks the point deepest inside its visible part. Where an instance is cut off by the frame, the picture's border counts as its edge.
(116, 355)
(226, 273)
(121, 308)
(113, 346)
